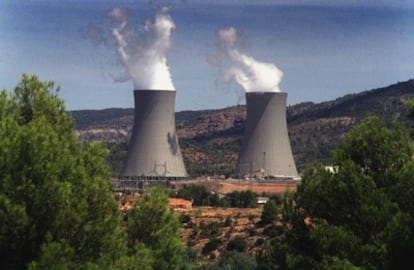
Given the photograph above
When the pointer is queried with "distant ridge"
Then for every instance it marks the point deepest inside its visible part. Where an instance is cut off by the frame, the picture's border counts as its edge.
(210, 139)
(384, 102)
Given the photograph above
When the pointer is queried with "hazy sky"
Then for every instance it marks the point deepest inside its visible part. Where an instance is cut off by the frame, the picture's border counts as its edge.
(326, 49)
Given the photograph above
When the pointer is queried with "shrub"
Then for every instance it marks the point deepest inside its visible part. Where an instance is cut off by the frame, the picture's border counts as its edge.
(269, 213)
(227, 222)
(211, 245)
(191, 242)
(209, 230)
(235, 260)
(252, 231)
(273, 231)
(242, 199)
(259, 241)
(184, 218)
(237, 244)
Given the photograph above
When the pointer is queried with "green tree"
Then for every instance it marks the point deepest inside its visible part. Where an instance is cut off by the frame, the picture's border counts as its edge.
(211, 245)
(189, 257)
(230, 260)
(358, 217)
(410, 107)
(55, 199)
(152, 223)
(270, 212)
(138, 257)
(380, 151)
(242, 199)
(198, 194)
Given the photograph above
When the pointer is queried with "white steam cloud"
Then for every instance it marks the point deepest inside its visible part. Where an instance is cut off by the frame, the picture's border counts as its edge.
(250, 74)
(143, 53)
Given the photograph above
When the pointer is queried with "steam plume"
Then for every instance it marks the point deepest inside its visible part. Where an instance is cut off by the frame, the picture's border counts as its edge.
(143, 53)
(250, 74)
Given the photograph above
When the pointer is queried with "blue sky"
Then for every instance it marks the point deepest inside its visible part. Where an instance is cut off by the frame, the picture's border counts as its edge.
(326, 49)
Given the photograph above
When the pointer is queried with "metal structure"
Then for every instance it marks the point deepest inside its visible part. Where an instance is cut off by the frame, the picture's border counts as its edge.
(265, 151)
(153, 151)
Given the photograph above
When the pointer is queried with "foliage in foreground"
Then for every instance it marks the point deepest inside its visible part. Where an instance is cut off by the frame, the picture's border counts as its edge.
(232, 260)
(361, 216)
(56, 207)
(152, 223)
(54, 191)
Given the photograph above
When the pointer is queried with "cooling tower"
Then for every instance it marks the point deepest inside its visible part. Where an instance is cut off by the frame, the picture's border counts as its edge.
(265, 150)
(153, 150)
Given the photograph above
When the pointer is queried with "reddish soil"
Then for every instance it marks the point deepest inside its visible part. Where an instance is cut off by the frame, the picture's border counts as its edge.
(208, 223)
(225, 224)
(229, 222)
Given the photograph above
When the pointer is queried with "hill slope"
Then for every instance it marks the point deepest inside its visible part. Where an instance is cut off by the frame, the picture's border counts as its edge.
(210, 139)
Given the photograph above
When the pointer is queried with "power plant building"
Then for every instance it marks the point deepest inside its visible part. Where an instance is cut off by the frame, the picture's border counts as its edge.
(153, 150)
(265, 150)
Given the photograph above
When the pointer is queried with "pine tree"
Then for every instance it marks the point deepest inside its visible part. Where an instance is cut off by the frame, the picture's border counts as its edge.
(56, 207)
(361, 215)
(153, 224)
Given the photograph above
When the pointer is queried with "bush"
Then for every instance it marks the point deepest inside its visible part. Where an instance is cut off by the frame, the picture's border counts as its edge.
(189, 254)
(252, 231)
(269, 213)
(251, 217)
(227, 222)
(209, 230)
(237, 244)
(273, 231)
(242, 199)
(199, 195)
(184, 218)
(235, 260)
(211, 245)
(259, 241)
(191, 242)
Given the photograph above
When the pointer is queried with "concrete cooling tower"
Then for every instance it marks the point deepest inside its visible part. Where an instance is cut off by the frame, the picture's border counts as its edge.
(153, 150)
(265, 150)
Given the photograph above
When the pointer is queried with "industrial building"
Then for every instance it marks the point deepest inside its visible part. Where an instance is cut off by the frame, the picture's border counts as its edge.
(265, 151)
(153, 149)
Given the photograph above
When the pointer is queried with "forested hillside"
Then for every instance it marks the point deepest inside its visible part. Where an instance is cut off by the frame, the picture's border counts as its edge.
(210, 139)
